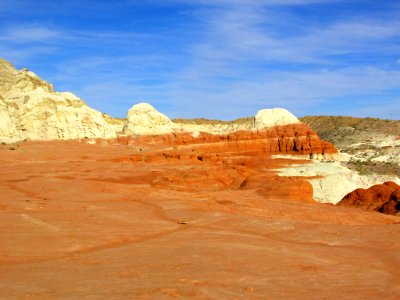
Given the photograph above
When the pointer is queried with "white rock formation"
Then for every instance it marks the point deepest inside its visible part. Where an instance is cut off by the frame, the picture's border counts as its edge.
(144, 119)
(335, 180)
(8, 129)
(30, 108)
(274, 117)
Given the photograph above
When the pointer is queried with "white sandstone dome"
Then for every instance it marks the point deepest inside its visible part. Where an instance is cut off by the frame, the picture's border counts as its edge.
(31, 108)
(144, 119)
(274, 117)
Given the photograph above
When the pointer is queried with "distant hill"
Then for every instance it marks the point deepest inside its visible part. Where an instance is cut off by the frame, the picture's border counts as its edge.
(373, 144)
(344, 131)
(204, 121)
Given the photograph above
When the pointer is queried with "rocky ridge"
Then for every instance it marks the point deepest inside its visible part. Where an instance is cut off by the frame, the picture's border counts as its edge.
(271, 131)
(30, 108)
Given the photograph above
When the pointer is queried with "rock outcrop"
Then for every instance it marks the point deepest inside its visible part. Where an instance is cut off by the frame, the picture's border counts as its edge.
(331, 181)
(287, 139)
(384, 198)
(144, 119)
(271, 131)
(267, 118)
(8, 128)
(31, 108)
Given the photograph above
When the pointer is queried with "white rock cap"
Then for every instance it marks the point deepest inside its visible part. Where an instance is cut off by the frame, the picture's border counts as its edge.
(274, 117)
(144, 119)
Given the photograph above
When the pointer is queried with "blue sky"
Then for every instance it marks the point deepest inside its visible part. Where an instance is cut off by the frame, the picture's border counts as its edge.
(215, 59)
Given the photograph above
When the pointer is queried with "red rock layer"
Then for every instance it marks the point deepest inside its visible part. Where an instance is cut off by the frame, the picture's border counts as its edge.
(384, 198)
(288, 139)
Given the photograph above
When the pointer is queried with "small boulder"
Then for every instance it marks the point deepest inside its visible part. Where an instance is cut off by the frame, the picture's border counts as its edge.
(384, 198)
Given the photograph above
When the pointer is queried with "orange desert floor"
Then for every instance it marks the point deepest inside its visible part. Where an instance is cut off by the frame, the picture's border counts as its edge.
(80, 221)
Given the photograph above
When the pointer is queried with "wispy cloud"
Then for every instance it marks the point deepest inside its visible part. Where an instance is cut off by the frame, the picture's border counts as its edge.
(296, 91)
(234, 56)
(29, 33)
(251, 34)
(252, 2)
(26, 34)
(246, 58)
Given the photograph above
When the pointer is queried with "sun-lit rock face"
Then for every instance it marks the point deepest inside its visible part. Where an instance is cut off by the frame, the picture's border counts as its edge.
(331, 181)
(266, 118)
(144, 119)
(384, 198)
(31, 108)
(8, 129)
(272, 131)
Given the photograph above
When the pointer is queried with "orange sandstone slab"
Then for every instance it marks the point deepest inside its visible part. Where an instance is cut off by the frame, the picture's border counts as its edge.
(149, 222)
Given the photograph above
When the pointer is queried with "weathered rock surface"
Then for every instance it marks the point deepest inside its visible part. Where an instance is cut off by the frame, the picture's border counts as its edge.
(271, 131)
(266, 118)
(31, 108)
(144, 119)
(8, 129)
(297, 139)
(384, 198)
(177, 227)
(331, 181)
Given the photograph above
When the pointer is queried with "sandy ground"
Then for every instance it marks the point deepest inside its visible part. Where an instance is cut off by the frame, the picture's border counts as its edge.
(81, 221)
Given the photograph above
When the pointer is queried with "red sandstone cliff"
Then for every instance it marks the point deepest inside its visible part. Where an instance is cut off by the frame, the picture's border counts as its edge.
(295, 139)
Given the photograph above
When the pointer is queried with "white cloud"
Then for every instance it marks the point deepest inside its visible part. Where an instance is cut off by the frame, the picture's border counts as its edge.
(23, 55)
(293, 90)
(224, 71)
(248, 34)
(243, 57)
(26, 34)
